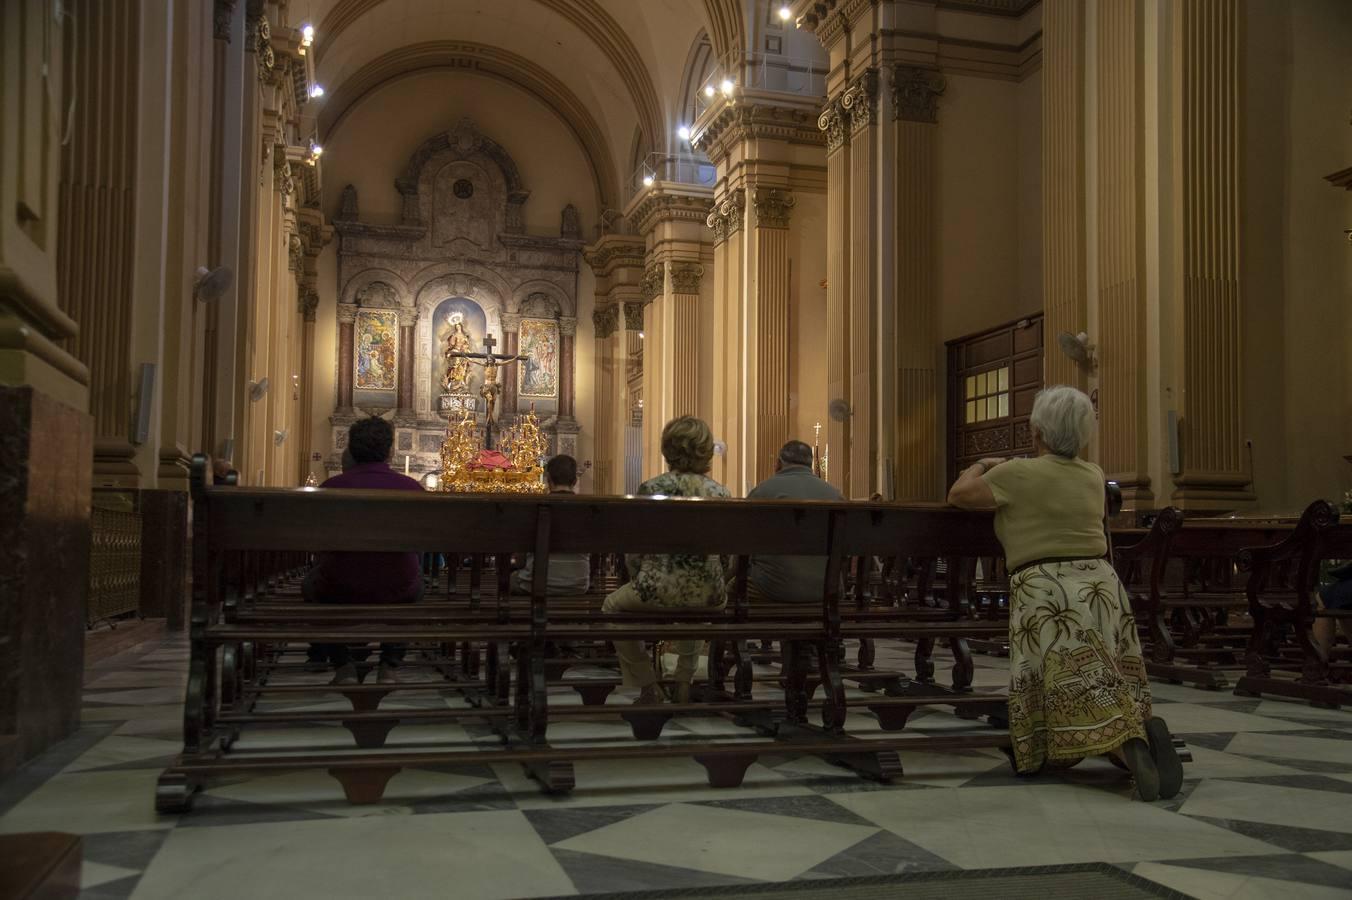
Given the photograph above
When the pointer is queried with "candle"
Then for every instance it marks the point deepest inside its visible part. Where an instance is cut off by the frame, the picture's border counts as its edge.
(406, 464)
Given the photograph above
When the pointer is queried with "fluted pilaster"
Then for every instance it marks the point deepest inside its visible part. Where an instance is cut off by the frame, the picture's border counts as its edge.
(685, 289)
(835, 123)
(861, 100)
(1123, 447)
(770, 314)
(1063, 206)
(1206, 111)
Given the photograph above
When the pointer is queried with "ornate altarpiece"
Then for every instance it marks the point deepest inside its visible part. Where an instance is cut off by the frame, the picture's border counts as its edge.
(459, 258)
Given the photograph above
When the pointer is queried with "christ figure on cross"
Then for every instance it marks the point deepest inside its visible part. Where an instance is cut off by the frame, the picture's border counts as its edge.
(491, 362)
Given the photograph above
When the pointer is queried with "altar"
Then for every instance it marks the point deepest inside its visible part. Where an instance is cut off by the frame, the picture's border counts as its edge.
(454, 278)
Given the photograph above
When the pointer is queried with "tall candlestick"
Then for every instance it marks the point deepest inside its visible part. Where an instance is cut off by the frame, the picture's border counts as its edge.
(405, 463)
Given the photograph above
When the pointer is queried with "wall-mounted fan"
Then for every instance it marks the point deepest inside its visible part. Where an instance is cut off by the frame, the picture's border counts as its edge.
(258, 389)
(839, 410)
(279, 437)
(1078, 348)
(211, 284)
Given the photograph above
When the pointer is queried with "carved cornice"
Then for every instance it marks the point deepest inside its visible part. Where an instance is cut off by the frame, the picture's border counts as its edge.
(661, 203)
(915, 94)
(860, 101)
(606, 321)
(633, 316)
(567, 326)
(686, 277)
(834, 122)
(408, 316)
(654, 282)
(614, 252)
(347, 313)
(511, 321)
(773, 206)
(223, 16)
(750, 118)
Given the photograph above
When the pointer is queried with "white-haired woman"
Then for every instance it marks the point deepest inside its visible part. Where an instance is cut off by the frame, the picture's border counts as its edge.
(1077, 681)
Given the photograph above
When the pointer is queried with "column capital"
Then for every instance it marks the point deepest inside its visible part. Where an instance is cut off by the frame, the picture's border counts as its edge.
(633, 316)
(915, 94)
(224, 13)
(835, 122)
(719, 223)
(654, 282)
(567, 326)
(511, 321)
(295, 250)
(860, 100)
(733, 210)
(307, 303)
(606, 320)
(773, 206)
(686, 277)
(408, 316)
(347, 313)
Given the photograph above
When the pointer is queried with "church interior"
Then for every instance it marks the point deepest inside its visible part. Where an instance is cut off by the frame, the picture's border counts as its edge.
(238, 237)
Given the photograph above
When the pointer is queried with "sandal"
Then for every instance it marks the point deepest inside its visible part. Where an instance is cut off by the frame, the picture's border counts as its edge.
(1167, 763)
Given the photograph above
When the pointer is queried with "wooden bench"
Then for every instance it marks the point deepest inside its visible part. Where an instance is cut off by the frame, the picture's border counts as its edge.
(1281, 585)
(246, 541)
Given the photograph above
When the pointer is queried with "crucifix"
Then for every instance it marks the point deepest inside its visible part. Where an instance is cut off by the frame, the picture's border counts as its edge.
(491, 362)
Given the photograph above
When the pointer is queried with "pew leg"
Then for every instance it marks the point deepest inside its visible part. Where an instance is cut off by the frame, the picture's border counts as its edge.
(554, 777)
(924, 660)
(726, 771)
(883, 766)
(364, 786)
(833, 686)
(365, 701)
(594, 694)
(964, 667)
(745, 672)
(370, 733)
(174, 793)
(867, 654)
(647, 726)
(892, 718)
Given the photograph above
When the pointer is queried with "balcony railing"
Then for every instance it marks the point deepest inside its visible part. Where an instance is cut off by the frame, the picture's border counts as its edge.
(799, 75)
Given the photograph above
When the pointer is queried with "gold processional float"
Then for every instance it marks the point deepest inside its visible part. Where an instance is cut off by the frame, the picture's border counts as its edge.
(467, 467)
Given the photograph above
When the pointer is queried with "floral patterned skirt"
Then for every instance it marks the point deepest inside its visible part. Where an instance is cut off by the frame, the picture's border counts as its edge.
(1077, 680)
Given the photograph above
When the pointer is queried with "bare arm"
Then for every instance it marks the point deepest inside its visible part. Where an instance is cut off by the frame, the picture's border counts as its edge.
(970, 491)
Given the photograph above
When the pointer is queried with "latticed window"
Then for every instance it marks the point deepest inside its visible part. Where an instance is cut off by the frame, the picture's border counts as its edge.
(993, 377)
(987, 396)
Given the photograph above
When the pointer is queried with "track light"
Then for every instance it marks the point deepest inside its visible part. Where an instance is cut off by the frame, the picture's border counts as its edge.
(785, 13)
(316, 91)
(709, 91)
(647, 181)
(683, 133)
(726, 86)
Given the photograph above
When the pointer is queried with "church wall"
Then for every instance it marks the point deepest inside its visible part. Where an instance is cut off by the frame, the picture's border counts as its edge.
(584, 373)
(1298, 271)
(370, 147)
(324, 397)
(807, 252)
(980, 172)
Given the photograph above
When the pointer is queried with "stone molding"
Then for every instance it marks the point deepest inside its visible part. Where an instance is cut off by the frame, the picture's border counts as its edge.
(567, 326)
(613, 252)
(408, 316)
(347, 313)
(654, 282)
(834, 121)
(686, 277)
(915, 94)
(511, 321)
(463, 142)
(307, 303)
(662, 203)
(633, 316)
(606, 320)
(755, 118)
(223, 15)
(860, 101)
(773, 206)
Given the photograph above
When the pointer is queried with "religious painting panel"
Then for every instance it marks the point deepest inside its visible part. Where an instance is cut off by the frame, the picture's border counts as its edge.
(540, 368)
(458, 326)
(376, 363)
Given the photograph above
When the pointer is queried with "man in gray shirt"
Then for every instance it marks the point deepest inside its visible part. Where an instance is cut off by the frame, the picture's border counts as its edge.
(790, 579)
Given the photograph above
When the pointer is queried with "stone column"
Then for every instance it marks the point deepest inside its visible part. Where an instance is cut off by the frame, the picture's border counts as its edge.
(1205, 110)
(1063, 185)
(768, 412)
(617, 262)
(860, 100)
(646, 321)
(567, 381)
(606, 322)
(408, 320)
(835, 122)
(1123, 424)
(97, 215)
(684, 343)
(729, 358)
(918, 467)
(309, 308)
(511, 343)
(347, 318)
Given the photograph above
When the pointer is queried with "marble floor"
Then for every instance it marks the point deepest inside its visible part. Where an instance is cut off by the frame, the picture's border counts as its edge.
(1266, 810)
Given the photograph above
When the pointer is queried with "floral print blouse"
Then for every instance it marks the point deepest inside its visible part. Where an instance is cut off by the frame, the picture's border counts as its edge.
(679, 579)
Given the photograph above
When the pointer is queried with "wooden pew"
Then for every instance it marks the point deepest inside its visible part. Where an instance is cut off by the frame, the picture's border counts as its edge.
(235, 528)
(1281, 585)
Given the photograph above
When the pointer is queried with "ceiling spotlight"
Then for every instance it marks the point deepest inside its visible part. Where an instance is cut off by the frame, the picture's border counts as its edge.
(709, 91)
(641, 336)
(316, 149)
(785, 13)
(726, 86)
(683, 133)
(647, 181)
(307, 34)
(316, 91)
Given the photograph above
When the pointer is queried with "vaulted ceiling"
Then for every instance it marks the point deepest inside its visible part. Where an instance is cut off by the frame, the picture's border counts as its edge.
(611, 69)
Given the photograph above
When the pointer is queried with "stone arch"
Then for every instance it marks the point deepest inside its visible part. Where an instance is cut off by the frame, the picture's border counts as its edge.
(355, 289)
(557, 300)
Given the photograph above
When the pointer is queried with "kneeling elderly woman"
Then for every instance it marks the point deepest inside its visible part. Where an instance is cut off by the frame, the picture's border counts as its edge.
(1077, 681)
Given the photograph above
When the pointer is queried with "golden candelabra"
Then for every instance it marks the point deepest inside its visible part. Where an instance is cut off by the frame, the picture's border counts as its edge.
(468, 468)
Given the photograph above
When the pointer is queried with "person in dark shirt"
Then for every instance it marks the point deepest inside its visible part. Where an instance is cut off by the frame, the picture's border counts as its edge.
(367, 577)
(790, 579)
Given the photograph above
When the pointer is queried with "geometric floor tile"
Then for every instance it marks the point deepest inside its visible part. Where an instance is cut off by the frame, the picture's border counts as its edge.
(1207, 763)
(117, 750)
(815, 808)
(464, 855)
(555, 825)
(882, 854)
(1038, 825)
(722, 841)
(654, 781)
(90, 802)
(1296, 840)
(93, 874)
(594, 874)
(1281, 867)
(1270, 804)
(1288, 747)
(1341, 858)
(1207, 885)
(1195, 717)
